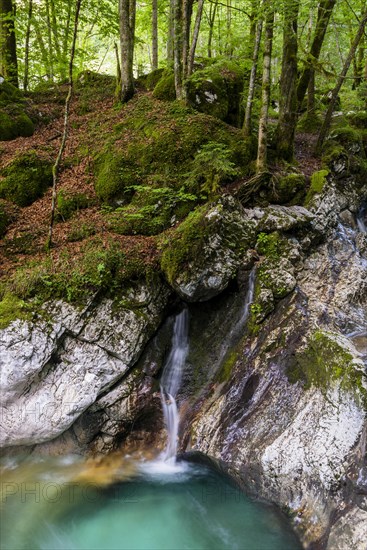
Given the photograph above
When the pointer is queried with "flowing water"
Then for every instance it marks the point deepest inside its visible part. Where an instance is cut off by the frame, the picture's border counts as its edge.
(51, 505)
(171, 380)
(361, 220)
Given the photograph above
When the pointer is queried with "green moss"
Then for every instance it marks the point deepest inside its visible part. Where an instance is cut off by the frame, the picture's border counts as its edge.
(310, 123)
(216, 90)
(345, 135)
(9, 94)
(25, 179)
(185, 243)
(114, 176)
(358, 120)
(67, 204)
(152, 79)
(165, 87)
(226, 369)
(74, 278)
(270, 245)
(156, 145)
(4, 220)
(12, 308)
(325, 361)
(285, 189)
(152, 210)
(7, 130)
(318, 181)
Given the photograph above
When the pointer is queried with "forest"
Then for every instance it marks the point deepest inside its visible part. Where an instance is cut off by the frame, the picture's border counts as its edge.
(183, 274)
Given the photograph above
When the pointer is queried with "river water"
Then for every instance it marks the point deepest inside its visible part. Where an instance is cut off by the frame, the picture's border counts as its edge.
(66, 505)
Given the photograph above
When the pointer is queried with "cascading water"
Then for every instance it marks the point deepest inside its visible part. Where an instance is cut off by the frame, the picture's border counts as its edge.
(361, 221)
(171, 380)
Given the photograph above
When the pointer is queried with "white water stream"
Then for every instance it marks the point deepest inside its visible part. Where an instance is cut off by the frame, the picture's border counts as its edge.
(361, 222)
(171, 381)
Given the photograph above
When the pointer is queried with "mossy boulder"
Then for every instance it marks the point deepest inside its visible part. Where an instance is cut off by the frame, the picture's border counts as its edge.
(204, 253)
(15, 125)
(310, 123)
(165, 87)
(14, 122)
(358, 120)
(156, 145)
(9, 93)
(151, 80)
(287, 188)
(216, 90)
(318, 181)
(25, 179)
(68, 203)
(328, 359)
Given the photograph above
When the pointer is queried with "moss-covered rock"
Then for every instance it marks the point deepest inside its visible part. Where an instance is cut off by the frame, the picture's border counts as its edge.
(68, 203)
(152, 79)
(165, 87)
(216, 90)
(325, 360)
(15, 125)
(318, 181)
(310, 123)
(204, 253)
(358, 120)
(14, 122)
(25, 179)
(156, 145)
(287, 189)
(12, 308)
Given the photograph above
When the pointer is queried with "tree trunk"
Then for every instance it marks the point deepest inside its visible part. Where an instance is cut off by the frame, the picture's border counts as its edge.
(127, 10)
(326, 125)
(178, 49)
(195, 36)
(56, 166)
(26, 47)
(8, 47)
(186, 26)
(171, 34)
(252, 81)
(323, 18)
(154, 34)
(49, 42)
(261, 163)
(311, 94)
(288, 84)
(212, 14)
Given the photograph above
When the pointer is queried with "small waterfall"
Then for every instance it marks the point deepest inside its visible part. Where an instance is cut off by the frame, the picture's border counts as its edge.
(171, 380)
(249, 297)
(361, 221)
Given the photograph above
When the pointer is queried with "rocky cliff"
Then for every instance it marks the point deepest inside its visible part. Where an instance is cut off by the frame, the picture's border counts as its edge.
(276, 394)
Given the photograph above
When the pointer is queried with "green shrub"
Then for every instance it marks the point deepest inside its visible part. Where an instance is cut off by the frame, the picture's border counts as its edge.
(212, 167)
(25, 179)
(152, 210)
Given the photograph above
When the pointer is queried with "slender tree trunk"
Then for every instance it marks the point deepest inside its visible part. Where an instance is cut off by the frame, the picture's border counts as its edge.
(154, 34)
(26, 47)
(288, 84)
(261, 163)
(56, 166)
(195, 36)
(49, 41)
(212, 15)
(186, 26)
(252, 81)
(8, 47)
(311, 94)
(323, 18)
(127, 11)
(178, 49)
(326, 125)
(171, 34)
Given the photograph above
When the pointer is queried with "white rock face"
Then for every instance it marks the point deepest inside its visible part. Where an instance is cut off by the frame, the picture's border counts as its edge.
(350, 531)
(52, 372)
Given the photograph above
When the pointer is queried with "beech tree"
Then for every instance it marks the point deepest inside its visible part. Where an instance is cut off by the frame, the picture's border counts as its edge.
(288, 82)
(8, 48)
(127, 15)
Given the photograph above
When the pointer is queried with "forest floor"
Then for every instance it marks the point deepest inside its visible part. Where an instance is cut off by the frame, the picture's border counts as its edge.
(26, 236)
